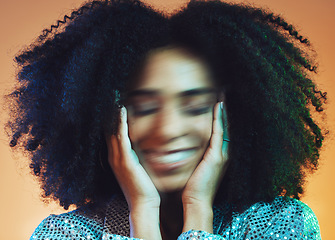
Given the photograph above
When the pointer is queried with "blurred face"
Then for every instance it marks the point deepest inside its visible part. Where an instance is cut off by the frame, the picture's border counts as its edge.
(170, 116)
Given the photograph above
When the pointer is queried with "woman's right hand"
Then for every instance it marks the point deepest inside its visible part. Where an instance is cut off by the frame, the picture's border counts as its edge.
(140, 192)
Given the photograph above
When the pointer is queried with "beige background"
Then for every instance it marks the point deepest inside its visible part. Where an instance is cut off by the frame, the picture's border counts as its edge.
(21, 209)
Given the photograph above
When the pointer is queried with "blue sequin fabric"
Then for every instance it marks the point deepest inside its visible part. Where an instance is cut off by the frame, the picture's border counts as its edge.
(284, 218)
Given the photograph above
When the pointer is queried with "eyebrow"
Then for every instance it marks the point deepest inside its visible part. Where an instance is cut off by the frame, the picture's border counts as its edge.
(187, 93)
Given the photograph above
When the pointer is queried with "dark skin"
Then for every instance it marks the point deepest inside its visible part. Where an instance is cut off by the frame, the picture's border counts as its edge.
(152, 216)
(185, 155)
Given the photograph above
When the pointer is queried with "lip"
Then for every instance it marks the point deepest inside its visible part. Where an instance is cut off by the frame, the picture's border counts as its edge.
(164, 152)
(164, 161)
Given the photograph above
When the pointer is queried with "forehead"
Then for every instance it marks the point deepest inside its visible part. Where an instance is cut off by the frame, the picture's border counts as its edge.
(173, 70)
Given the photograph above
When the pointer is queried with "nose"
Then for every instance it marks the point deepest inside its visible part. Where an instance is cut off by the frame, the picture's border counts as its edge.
(170, 124)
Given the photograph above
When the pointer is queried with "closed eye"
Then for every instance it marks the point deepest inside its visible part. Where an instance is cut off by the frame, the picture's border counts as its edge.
(195, 109)
(144, 108)
(198, 110)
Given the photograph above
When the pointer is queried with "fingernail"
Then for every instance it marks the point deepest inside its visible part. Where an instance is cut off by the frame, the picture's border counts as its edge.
(124, 111)
(221, 105)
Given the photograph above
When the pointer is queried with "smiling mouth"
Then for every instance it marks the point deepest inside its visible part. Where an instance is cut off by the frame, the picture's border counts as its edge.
(162, 161)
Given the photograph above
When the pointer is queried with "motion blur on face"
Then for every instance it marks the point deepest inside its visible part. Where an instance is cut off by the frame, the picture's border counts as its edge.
(170, 114)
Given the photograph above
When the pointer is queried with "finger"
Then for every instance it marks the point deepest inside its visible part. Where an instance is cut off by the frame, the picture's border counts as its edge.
(225, 125)
(134, 156)
(124, 141)
(128, 155)
(217, 128)
(116, 143)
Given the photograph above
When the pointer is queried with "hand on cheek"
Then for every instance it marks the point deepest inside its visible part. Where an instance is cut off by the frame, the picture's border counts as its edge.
(200, 190)
(141, 195)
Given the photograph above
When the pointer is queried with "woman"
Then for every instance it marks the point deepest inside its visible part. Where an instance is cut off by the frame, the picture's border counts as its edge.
(115, 106)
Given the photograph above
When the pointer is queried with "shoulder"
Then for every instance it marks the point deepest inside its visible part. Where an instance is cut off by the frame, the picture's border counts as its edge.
(311, 224)
(282, 218)
(68, 225)
(90, 222)
(286, 217)
(289, 207)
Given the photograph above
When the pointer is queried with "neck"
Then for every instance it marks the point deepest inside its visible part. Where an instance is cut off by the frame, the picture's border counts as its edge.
(171, 215)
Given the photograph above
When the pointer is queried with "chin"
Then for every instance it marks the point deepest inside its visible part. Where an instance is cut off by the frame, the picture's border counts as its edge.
(168, 184)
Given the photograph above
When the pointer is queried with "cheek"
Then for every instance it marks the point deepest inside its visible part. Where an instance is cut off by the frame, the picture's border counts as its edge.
(137, 128)
(203, 126)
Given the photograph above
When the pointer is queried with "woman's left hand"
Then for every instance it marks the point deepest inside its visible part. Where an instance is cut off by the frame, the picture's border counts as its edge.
(200, 190)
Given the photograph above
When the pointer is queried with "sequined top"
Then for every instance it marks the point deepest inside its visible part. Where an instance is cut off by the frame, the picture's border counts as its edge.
(284, 218)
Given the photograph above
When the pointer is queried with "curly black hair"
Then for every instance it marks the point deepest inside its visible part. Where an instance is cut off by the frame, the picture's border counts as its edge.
(72, 81)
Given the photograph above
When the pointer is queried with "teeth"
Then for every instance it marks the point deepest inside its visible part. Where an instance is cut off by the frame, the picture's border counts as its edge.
(170, 158)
